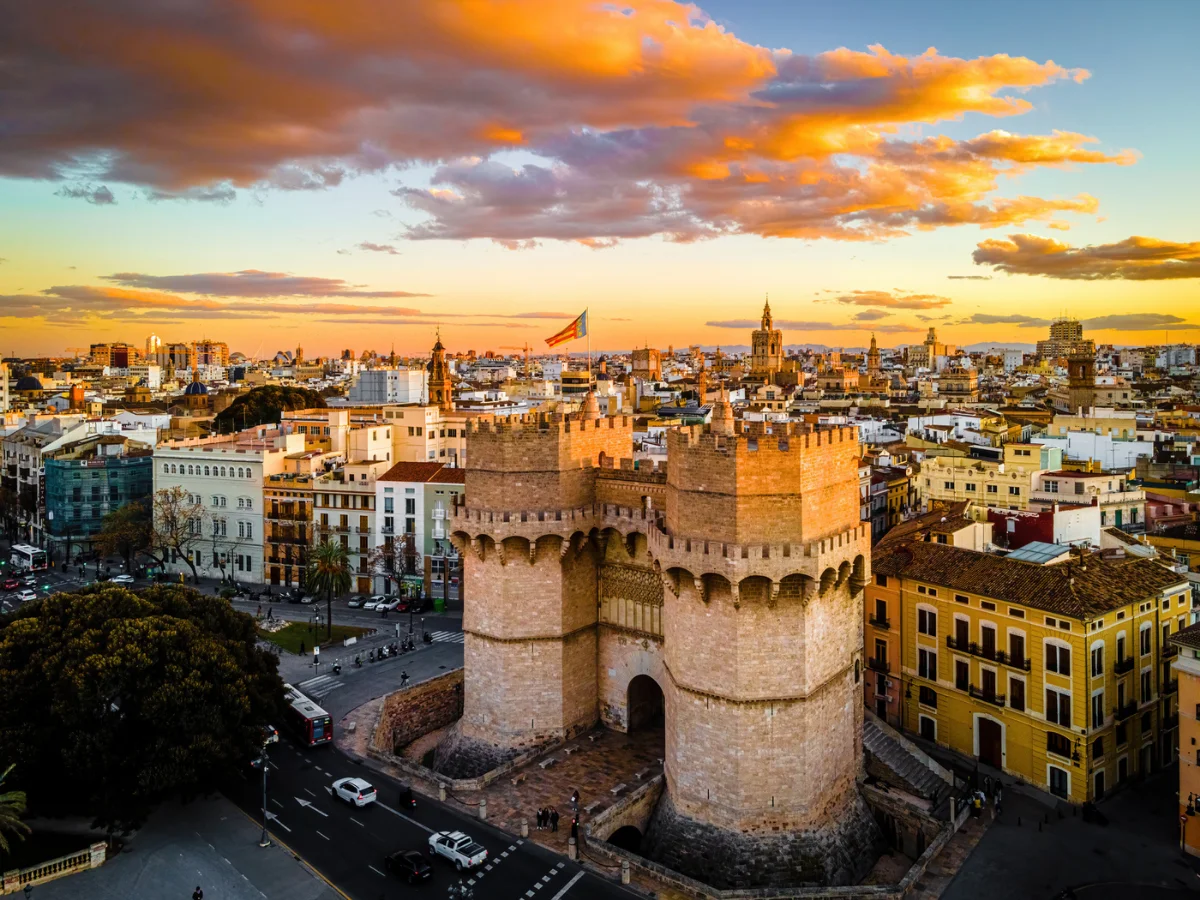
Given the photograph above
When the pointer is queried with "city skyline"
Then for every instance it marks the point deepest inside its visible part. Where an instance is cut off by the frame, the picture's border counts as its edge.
(299, 177)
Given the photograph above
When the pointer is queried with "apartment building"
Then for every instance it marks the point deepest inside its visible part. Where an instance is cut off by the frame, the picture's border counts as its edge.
(225, 476)
(1120, 504)
(416, 503)
(352, 434)
(1052, 667)
(287, 527)
(428, 434)
(1001, 481)
(344, 510)
(1186, 668)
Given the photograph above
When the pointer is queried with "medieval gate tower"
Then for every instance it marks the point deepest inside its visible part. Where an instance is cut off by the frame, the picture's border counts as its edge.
(731, 580)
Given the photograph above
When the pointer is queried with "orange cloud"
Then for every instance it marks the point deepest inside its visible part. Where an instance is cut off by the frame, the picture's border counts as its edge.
(893, 300)
(645, 118)
(1133, 259)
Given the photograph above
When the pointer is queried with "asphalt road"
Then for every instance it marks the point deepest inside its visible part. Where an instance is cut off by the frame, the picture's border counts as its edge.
(347, 845)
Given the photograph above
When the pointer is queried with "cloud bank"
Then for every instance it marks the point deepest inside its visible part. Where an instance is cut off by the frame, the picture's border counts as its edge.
(1133, 259)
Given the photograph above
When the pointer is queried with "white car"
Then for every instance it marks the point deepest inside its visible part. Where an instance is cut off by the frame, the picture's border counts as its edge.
(373, 602)
(458, 848)
(123, 579)
(26, 595)
(388, 603)
(354, 791)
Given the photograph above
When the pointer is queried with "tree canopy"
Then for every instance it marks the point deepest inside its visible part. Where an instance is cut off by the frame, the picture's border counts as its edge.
(126, 531)
(116, 701)
(265, 405)
(329, 574)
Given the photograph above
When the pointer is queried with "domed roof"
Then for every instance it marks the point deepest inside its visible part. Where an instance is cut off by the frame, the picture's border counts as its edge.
(196, 388)
(29, 383)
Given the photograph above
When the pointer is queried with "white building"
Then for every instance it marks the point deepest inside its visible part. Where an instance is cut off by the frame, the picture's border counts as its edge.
(375, 387)
(1110, 452)
(4, 400)
(149, 373)
(344, 511)
(225, 475)
(1012, 359)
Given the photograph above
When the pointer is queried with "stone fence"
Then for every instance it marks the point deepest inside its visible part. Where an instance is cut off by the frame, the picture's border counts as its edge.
(629, 810)
(15, 880)
(412, 712)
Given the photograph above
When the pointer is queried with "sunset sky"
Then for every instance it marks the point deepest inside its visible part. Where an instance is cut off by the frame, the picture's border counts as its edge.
(355, 174)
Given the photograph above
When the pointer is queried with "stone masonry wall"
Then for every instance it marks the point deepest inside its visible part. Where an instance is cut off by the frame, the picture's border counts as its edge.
(411, 712)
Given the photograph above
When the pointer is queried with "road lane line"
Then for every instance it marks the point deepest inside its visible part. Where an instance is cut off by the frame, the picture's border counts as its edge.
(277, 803)
(545, 879)
(326, 838)
(570, 884)
(356, 822)
(396, 812)
(310, 793)
(376, 871)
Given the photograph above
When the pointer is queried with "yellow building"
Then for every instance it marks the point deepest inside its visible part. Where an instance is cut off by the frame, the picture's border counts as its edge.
(1187, 669)
(287, 531)
(1003, 484)
(1052, 671)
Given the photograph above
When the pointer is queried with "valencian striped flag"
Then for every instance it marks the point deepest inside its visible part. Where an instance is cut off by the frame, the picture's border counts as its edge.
(576, 329)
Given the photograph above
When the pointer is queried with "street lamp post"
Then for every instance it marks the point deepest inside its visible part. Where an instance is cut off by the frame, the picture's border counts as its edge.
(265, 841)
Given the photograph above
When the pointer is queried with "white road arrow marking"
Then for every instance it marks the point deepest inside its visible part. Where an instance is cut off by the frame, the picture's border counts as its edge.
(274, 818)
(310, 806)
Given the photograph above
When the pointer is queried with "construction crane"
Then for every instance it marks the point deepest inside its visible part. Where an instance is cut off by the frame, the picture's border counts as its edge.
(526, 349)
(78, 351)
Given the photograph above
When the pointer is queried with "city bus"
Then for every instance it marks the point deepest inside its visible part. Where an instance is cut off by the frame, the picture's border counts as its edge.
(307, 721)
(26, 558)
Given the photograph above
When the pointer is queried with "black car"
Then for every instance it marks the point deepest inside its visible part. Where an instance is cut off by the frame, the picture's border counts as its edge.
(410, 865)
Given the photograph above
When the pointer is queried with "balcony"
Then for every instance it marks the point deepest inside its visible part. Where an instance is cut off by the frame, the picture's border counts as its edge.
(996, 656)
(884, 623)
(1171, 721)
(1170, 686)
(1060, 745)
(878, 665)
(1121, 713)
(986, 696)
(388, 529)
(1122, 666)
(1170, 651)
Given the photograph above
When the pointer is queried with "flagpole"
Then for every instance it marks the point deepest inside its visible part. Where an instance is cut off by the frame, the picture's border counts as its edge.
(587, 321)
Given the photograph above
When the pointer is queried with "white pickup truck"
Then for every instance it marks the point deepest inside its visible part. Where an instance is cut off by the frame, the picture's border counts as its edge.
(458, 849)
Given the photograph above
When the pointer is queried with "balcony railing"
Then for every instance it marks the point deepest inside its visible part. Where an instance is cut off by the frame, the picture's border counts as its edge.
(1169, 651)
(878, 622)
(986, 696)
(996, 656)
(1121, 713)
(1121, 666)
(878, 665)
(1170, 686)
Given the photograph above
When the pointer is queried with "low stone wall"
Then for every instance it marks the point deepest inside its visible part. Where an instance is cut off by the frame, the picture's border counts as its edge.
(629, 810)
(636, 808)
(411, 712)
(15, 880)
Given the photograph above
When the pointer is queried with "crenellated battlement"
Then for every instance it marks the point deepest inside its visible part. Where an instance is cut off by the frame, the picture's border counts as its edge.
(771, 436)
(543, 424)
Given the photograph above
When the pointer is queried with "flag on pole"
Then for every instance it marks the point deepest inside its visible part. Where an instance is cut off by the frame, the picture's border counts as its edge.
(576, 329)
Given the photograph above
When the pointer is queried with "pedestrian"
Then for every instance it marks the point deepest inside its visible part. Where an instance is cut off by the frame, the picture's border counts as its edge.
(575, 800)
(197, 894)
(999, 807)
(541, 816)
(987, 784)
(553, 819)
(302, 648)
(258, 614)
(270, 614)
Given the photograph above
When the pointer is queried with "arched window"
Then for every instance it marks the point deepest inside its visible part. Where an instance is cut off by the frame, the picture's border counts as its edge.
(206, 470)
(189, 471)
(222, 471)
(167, 468)
(248, 474)
(240, 472)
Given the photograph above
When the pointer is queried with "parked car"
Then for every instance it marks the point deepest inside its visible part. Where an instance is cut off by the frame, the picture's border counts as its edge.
(307, 598)
(10, 584)
(387, 604)
(26, 595)
(123, 579)
(414, 604)
(356, 601)
(270, 735)
(458, 848)
(29, 580)
(354, 791)
(411, 865)
(373, 602)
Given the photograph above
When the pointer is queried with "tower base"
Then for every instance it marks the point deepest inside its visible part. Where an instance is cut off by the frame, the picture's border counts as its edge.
(841, 852)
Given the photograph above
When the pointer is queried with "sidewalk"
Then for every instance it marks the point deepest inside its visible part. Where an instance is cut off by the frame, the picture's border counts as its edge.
(209, 843)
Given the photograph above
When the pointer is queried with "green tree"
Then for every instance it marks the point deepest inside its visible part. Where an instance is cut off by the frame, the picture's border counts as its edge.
(115, 701)
(329, 574)
(12, 805)
(265, 406)
(126, 531)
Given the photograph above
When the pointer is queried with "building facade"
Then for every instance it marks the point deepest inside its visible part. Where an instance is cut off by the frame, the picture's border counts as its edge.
(766, 348)
(1186, 668)
(1056, 674)
(1066, 338)
(375, 387)
(287, 527)
(415, 503)
(988, 482)
(89, 479)
(344, 511)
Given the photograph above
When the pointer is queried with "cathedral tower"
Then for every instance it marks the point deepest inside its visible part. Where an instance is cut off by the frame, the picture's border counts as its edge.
(441, 384)
(766, 348)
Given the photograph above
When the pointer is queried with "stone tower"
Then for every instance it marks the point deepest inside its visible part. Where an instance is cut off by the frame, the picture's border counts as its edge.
(766, 347)
(723, 590)
(874, 367)
(1081, 377)
(441, 384)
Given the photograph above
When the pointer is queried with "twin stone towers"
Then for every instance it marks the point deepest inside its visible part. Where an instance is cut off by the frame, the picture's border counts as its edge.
(721, 592)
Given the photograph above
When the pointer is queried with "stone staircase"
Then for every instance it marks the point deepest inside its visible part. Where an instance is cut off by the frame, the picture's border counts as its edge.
(895, 760)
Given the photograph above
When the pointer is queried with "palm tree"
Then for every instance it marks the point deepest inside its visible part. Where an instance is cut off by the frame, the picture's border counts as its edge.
(12, 804)
(329, 574)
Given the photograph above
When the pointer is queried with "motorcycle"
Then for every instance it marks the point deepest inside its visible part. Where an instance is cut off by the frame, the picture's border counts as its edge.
(357, 661)
(428, 638)
(371, 656)
(337, 668)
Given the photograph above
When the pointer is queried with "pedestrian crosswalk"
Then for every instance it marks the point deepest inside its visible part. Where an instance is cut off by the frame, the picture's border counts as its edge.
(451, 637)
(320, 686)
